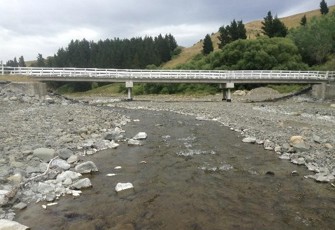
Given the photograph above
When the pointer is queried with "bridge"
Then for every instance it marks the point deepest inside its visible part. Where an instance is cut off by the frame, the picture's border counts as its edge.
(225, 78)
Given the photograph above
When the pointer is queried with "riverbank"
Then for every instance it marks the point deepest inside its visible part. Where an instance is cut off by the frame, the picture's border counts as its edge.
(66, 131)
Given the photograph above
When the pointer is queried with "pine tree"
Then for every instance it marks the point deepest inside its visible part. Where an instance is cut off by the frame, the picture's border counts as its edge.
(232, 32)
(303, 21)
(40, 61)
(273, 27)
(21, 62)
(324, 7)
(208, 45)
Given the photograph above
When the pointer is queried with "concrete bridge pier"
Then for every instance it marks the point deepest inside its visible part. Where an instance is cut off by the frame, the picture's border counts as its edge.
(226, 91)
(129, 86)
(324, 91)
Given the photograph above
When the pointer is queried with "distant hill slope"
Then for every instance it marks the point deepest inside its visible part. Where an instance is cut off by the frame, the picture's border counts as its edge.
(253, 28)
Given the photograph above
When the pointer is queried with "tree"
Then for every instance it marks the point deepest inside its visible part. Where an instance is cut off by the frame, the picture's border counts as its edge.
(21, 62)
(208, 45)
(40, 61)
(232, 32)
(273, 27)
(303, 21)
(324, 7)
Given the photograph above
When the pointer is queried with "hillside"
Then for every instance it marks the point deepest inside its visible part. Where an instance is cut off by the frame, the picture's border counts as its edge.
(253, 28)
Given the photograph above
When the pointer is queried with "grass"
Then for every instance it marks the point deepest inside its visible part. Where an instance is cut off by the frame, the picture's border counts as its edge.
(103, 91)
(16, 78)
(287, 88)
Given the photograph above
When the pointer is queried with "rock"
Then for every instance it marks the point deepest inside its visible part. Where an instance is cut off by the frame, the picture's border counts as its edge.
(72, 159)
(294, 173)
(114, 135)
(322, 177)
(332, 105)
(268, 145)
(316, 139)
(86, 167)
(68, 175)
(123, 186)
(277, 149)
(328, 146)
(82, 183)
(249, 140)
(11, 225)
(285, 156)
(20, 206)
(65, 153)
(16, 178)
(298, 161)
(45, 154)
(45, 188)
(301, 147)
(132, 142)
(59, 163)
(294, 140)
(140, 136)
(4, 197)
(240, 93)
(113, 145)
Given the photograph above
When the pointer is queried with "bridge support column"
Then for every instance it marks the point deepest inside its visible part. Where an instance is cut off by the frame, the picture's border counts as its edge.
(226, 91)
(129, 86)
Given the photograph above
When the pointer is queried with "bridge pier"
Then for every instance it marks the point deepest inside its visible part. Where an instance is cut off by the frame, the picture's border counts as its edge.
(324, 91)
(129, 86)
(226, 91)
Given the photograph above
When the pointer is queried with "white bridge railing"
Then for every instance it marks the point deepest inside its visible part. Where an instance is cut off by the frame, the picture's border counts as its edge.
(202, 76)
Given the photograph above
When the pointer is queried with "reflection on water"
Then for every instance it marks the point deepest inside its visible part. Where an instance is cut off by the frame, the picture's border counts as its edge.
(191, 175)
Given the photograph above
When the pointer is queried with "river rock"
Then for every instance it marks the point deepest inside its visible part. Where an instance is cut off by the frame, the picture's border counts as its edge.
(68, 175)
(140, 136)
(322, 177)
(316, 139)
(269, 145)
(132, 142)
(328, 146)
(82, 183)
(86, 167)
(298, 161)
(4, 197)
(285, 156)
(59, 163)
(11, 225)
(65, 153)
(294, 140)
(45, 154)
(300, 147)
(20, 206)
(251, 140)
(45, 188)
(123, 186)
(240, 93)
(72, 159)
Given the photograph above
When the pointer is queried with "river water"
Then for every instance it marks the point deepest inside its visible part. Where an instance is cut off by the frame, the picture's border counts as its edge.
(190, 174)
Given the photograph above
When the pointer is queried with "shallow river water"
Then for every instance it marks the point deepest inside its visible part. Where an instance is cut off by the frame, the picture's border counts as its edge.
(197, 175)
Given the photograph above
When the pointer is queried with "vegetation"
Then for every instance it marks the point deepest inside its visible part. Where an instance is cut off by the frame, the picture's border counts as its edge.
(15, 63)
(232, 32)
(324, 7)
(208, 45)
(316, 40)
(273, 27)
(303, 21)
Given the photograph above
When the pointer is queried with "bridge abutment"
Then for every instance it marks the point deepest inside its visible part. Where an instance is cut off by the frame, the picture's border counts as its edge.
(324, 91)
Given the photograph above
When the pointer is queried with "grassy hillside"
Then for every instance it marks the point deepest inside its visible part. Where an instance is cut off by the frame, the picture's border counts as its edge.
(253, 28)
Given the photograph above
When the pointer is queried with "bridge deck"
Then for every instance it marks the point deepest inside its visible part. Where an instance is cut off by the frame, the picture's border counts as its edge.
(172, 76)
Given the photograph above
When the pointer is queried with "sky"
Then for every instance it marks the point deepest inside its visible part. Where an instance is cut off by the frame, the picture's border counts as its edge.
(30, 27)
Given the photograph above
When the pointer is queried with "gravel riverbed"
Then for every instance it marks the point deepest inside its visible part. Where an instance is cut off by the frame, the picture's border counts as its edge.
(44, 140)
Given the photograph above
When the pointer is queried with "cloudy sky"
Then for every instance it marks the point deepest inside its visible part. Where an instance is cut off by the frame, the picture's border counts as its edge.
(29, 27)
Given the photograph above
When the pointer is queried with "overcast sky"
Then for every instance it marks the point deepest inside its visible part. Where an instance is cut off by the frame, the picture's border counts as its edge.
(29, 27)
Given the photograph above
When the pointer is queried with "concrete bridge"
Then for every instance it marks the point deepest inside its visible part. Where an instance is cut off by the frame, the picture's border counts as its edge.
(225, 78)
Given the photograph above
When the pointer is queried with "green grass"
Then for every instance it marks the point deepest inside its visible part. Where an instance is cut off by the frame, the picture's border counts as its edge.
(287, 88)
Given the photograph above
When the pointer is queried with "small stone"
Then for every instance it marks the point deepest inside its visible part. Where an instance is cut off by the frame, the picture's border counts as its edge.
(285, 156)
(20, 206)
(268, 145)
(298, 161)
(72, 159)
(132, 142)
(86, 167)
(301, 147)
(140, 136)
(270, 173)
(82, 183)
(328, 146)
(123, 186)
(294, 173)
(296, 140)
(111, 174)
(249, 140)
(316, 139)
(65, 153)
(59, 163)
(118, 167)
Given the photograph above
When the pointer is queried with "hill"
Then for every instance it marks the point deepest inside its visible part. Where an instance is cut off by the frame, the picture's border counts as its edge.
(253, 29)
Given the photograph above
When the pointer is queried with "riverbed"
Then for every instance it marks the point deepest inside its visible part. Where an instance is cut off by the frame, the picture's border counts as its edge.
(190, 174)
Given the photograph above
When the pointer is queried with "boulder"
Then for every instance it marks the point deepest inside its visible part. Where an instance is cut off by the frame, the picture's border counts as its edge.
(45, 154)
(86, 167)
(268, 145)
(240, 93)
(72, 159)
(11, 225)
(68, 175)
(82, 183)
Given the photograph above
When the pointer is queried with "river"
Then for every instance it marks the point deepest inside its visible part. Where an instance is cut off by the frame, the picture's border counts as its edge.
(190, 174)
